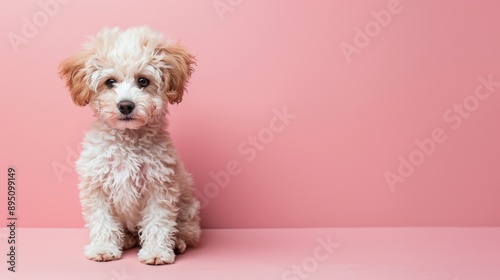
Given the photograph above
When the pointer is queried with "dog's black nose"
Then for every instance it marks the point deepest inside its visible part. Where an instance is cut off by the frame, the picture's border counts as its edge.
(126, 107)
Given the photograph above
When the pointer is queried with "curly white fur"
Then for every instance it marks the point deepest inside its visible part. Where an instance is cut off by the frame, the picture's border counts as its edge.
(133, 187)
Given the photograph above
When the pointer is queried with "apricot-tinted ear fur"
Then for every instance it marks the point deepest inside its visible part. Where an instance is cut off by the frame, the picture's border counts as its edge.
(73, 71)
(180, 62)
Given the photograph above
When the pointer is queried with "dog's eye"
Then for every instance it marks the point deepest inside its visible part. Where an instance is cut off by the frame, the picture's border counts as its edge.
(110, 83)
(143, 82)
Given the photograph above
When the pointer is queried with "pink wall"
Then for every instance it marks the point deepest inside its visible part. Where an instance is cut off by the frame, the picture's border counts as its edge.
(359, 101)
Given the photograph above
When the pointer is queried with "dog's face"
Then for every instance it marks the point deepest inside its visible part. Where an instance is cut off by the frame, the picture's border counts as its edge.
(128, 77)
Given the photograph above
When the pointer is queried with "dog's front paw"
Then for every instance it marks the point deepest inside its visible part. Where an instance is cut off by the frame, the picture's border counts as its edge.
(102, 253)
(155, 256)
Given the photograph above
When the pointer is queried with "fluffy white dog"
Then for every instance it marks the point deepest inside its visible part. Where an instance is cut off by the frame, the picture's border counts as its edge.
(133, 187)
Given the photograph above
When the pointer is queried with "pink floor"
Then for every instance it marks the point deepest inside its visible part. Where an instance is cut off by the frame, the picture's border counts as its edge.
(326, 253)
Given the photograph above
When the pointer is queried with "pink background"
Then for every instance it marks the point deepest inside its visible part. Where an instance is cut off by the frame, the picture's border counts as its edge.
(353, 120)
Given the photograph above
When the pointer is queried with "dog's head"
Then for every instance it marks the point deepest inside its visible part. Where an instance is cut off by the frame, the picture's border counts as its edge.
(128, 77)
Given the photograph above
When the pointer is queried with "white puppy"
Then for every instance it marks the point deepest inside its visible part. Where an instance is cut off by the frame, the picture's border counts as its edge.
(133, 187)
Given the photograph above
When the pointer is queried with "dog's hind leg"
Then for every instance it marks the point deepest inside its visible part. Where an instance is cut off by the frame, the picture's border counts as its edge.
(188, 221)
(130, 240)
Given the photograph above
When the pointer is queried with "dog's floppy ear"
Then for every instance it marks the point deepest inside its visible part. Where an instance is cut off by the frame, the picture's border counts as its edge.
(179, 68)
(73, 71)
